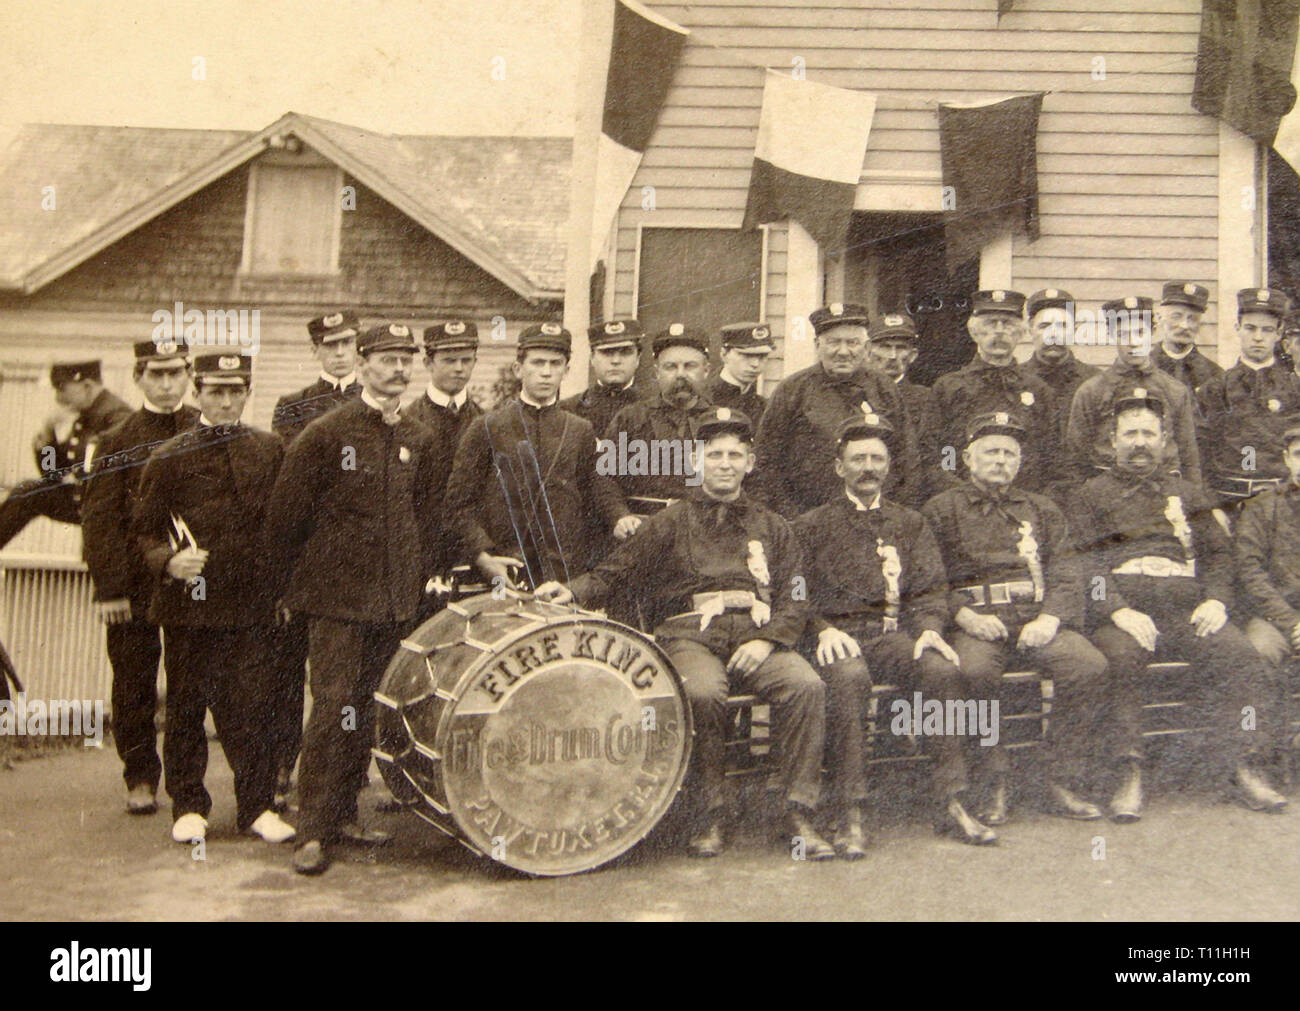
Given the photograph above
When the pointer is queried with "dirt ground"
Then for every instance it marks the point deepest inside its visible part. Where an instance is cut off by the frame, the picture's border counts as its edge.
(71, 852)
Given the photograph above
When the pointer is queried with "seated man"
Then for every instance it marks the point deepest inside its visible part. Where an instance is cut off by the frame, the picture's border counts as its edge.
(1267, 555)
(872, 567)
(1015, 588)
(720, 568)
(1160, 571)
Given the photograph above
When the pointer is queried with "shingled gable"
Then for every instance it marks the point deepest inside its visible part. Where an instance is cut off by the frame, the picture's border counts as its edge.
(502, 202)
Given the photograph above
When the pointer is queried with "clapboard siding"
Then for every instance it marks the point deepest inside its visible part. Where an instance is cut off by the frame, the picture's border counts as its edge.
(1128, 171)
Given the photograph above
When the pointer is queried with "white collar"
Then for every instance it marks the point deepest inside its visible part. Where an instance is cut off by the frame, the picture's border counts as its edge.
(374, 404)
(857, 502)
(339, 384)
(625, 386)
(525, 398)
(1258, 368)
(727, 377)
(898, 381)
(158, 410)
(444, 400)
(1177, 356)
(203, 420)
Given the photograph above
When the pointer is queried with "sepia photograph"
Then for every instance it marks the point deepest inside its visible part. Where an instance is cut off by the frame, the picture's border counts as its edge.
(610, 460)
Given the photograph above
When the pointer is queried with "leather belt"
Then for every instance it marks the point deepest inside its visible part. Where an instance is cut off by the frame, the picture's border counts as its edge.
(1246, 487)
(1155, 565)
(732, 600)
(999, 593)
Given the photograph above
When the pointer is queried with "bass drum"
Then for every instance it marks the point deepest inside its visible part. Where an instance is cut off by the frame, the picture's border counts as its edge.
(545, 737)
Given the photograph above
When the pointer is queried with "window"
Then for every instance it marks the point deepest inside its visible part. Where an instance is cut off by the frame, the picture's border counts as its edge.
(293, 218)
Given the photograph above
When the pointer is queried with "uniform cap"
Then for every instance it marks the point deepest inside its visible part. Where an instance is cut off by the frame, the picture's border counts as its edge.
(334, 326)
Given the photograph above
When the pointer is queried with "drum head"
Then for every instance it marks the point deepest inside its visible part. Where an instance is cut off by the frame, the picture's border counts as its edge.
(559, 737)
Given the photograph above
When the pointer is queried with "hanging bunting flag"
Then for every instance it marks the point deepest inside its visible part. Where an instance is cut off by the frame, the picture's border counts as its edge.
(989, 154)
(1243, 64)
(812, 139)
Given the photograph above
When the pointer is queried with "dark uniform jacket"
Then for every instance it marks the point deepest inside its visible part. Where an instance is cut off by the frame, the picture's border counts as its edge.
(1087, 433)
(349, 543)
(218, 481)
(978, 388)
(110, 498)
(1064, 378)
(795, 446)
(1118, 516)
(843, 566)
(1193, 370)
(658, 421)
(724, 394)
(105, 411)
(1267, 552)
(979, 535)
(923, 414)
(1244, 408)
(448, 427)
(598, 404)
(698, 545)
(520, 484)
(295, 411)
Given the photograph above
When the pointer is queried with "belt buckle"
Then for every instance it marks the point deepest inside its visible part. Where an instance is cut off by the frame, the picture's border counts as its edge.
(999, 593)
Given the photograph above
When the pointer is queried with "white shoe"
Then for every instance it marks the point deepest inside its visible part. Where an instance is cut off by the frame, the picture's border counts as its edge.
(189, 827)
(271, 827)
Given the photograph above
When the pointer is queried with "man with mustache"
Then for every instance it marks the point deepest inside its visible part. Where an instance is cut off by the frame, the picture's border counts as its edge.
(877, 593)
(1051, 318)
(716, 570)
(1178, 321)
(1015, 593)
(994, 381)
(1087, 439)
(1246, 409)
(795, 446)
(672, 418)
(893, 350)
(1160, 574)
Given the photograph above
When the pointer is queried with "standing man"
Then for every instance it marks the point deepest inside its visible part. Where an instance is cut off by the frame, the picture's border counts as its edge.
(1178, 321)
(345, 536)
(334, 346)
(993, 381)
(199, 525)
(1267, 554)
(671, 421)
(745, 347)
(1015, 590)
(1246, 409)
(1162, 571)
(1051, 314)
(525, 473)
(795, 448)
(1087, 433)
(87, 410)
(123, 583)
(877, 595)
(893, 350)
(717, 567)
(615, 355)
(450, 353)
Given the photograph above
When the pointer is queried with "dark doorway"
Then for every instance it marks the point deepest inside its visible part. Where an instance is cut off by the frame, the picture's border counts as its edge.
(896, 262)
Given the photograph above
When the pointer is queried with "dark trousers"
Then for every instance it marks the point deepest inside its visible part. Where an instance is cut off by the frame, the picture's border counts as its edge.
(1078, 674)
(217, 669)
(30, 499)
(288, 660)
(1229, 673)
(347, 661)
(787, 683)
(134, 649)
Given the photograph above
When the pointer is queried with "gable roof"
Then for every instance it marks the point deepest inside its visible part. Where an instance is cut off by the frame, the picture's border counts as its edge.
(500, 201)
